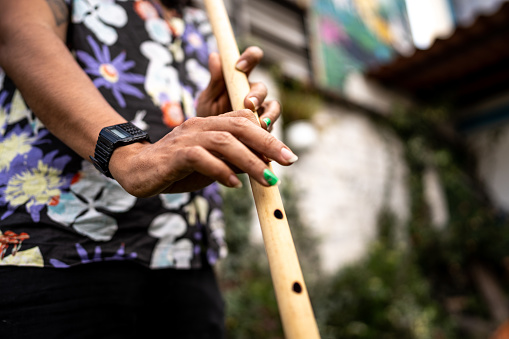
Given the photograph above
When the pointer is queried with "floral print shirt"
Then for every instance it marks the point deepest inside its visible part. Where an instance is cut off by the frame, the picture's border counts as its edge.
(56, 209)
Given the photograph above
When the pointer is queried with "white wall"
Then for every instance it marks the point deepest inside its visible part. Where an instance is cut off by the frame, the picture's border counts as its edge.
(491, 146)
(344, 179)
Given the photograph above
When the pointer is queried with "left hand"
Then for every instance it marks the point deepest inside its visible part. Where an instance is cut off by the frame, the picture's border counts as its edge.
(214, 99)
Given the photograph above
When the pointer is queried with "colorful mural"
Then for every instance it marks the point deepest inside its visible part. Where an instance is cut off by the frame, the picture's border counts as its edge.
(352, 35)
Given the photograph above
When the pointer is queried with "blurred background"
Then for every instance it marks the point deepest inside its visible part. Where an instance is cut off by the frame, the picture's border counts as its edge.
(399, 111)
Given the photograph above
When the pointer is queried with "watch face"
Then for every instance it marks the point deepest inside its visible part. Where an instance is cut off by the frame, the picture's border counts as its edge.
(120, 133)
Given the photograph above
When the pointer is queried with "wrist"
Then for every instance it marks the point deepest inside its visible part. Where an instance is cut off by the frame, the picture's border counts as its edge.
(110, 139)
(122, 161)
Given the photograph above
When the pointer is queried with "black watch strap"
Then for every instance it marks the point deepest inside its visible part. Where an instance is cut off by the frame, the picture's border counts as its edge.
(112, 137)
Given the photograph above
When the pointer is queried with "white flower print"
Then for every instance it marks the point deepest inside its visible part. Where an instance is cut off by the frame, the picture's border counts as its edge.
(168, 252)
(20, 111)
(17, 111)
(194, 14)
(183, 253)
(138, 120)
(89, 192)
(212, 44)
(31, 257)
(158, 30)
(217, 231)
(98, 16)
(198, 74)
(2, 76)
(174, 201)
(161, 82)
(188, 103)
(200, 18)
(156, 27)
(13, 145)
(197, 209)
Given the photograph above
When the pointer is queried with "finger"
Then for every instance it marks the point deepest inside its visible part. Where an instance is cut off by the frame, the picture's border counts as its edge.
(236, 153)
(256, 96)
(198, 181)
(243, 127)
(249, 59)
(269, 113)
(243, 113)
(199, 159)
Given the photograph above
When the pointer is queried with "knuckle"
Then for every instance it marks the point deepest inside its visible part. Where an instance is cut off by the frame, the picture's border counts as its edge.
(252, 162)
(245, 113)
(175, 138)
(270, 141)
(244, 122)
(221, 138)
(192, 154)
(190, 123)
(216, 172)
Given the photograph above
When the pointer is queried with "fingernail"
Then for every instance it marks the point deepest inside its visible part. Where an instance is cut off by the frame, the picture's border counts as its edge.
(255, 102)
(289, 155)
(267, 121)
(234, 181)
(270, 177)
(242, 65)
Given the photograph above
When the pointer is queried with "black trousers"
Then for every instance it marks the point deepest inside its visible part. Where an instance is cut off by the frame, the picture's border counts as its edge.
(110, 300)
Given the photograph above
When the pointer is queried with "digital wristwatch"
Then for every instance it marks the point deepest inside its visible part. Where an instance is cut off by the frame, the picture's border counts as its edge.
(111, 138)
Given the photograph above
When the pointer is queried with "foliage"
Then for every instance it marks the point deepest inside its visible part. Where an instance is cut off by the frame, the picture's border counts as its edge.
(476, 233)
(382, 296)
(299, 101)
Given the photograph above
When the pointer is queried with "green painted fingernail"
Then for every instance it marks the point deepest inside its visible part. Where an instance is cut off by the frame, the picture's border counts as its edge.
(270, 177)
(267, 121)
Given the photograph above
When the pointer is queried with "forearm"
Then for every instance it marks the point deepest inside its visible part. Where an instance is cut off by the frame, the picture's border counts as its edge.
(62, 96)
(55, 87)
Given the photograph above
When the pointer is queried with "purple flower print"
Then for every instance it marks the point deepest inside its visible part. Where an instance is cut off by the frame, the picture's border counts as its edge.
(111, 74)
(3, 97)
(212, 256)
(212, 193)
(33, 180)
(97, 256)
(194, 42)
(4, 108)
(17, 142)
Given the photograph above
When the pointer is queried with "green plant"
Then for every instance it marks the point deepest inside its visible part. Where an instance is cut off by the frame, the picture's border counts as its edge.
(299, 101)
(476, 232)
(384, 295)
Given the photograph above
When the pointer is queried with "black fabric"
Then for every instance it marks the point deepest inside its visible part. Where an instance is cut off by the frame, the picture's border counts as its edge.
(109, 300)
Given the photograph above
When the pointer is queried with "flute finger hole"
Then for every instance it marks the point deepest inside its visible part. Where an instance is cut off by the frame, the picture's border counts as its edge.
(278, 214)
(297, 288)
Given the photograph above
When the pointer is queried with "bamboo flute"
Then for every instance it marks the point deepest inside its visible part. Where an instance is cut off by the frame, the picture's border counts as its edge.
(292, 297)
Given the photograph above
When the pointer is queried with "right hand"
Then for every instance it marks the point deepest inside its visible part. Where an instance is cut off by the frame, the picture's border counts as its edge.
(214, 99)
(198, 152)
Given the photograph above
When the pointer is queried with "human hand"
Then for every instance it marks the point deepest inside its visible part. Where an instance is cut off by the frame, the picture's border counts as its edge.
(198, 152)
(214, 99)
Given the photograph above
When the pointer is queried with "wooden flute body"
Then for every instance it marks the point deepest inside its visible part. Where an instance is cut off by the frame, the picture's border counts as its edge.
(292, 297)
